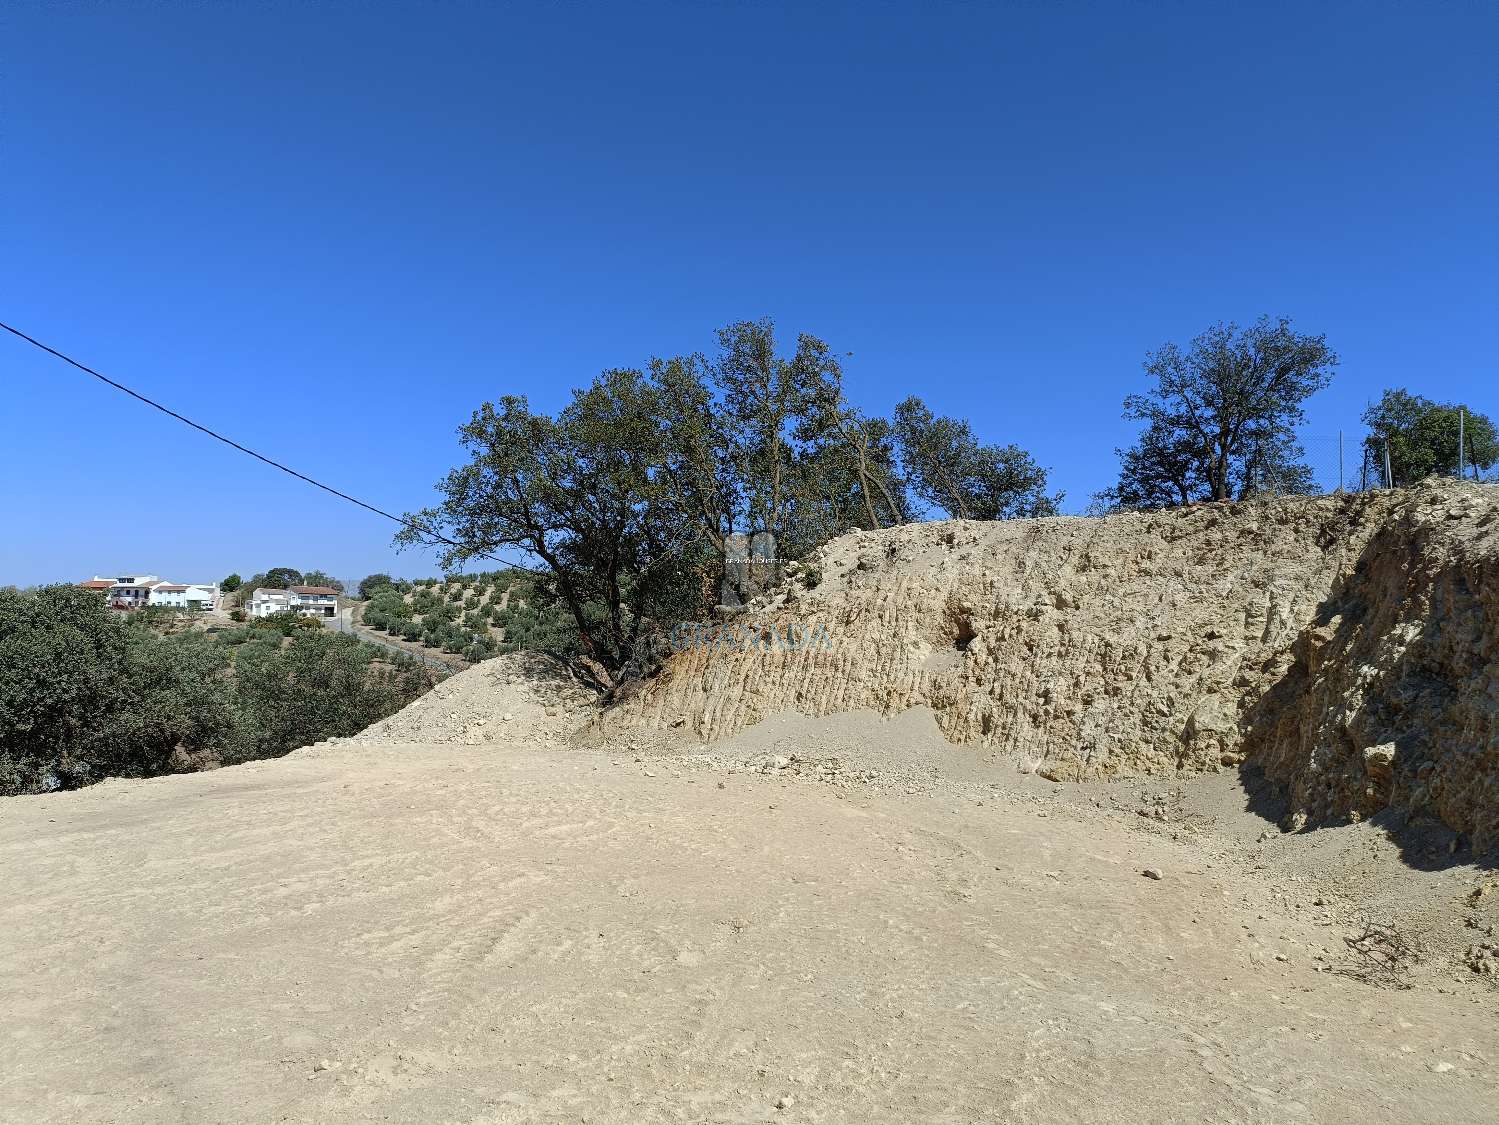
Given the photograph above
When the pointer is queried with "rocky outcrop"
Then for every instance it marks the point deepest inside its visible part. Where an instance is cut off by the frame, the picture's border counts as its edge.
(1345, 640)
(1392, 700)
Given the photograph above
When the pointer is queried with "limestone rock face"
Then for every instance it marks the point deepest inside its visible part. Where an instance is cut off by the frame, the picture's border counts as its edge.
(1348, 641)
(1393, 696)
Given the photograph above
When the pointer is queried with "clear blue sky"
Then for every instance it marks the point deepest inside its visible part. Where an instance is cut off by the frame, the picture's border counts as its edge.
(333, 230)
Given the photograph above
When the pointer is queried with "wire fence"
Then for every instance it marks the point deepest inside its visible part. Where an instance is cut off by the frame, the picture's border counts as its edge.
(1353, 462)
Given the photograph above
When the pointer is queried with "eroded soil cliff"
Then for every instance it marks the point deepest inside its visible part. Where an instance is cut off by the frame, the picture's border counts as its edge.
(1347, 642)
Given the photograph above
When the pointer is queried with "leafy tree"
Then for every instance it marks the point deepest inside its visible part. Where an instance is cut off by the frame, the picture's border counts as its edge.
(373, 583)
(1423, 436)
(1220, 418)
(278, 578)
(281, 578)
(848, 471)
(230, 584)
(578, 493)
(949, 469)
(635, 496)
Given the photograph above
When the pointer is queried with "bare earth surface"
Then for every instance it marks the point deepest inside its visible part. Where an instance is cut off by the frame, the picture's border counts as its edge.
(518, 931)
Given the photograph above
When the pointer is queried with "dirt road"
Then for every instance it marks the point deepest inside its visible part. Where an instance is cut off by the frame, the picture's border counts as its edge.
(445, 933)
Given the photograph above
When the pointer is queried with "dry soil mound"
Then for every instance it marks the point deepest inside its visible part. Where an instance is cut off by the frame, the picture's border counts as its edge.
(518, 699)
(1348, 642)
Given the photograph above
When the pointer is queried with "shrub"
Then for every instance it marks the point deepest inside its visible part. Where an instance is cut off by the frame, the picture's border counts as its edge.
(388, 602)
(287, 622)
(236, 615)
(320, 685)
(84, 695)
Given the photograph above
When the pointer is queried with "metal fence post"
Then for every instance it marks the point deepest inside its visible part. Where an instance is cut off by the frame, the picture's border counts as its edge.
(1462, 417)
(1340, 460)
(1389, 479)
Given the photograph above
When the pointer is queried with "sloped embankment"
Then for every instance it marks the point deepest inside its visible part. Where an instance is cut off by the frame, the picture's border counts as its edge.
(1347, 641)
(1392, 697)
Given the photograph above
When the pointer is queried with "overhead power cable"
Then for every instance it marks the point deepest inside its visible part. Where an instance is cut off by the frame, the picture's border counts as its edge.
(402, 520)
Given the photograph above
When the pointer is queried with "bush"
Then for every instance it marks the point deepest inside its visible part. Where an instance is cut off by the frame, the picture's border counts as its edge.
(236, 615)
(373, 584)
(388, 602)
(320, 685)
(287, 622)
(85, 695)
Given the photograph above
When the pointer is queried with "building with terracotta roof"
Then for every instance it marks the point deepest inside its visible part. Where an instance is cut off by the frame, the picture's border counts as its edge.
(136, 591)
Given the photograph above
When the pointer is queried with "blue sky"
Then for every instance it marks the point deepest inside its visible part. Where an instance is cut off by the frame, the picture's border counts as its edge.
(332, 230)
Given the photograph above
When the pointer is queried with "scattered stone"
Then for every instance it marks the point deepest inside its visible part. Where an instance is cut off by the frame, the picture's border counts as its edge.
(1152, 873)
(785, 1101)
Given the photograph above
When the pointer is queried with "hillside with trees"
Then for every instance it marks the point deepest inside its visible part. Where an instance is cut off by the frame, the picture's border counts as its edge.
(470, 616)
(643, 497)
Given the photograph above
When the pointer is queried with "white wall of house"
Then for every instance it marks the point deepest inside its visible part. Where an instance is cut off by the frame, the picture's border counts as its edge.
(202, 595)
(132, 591)
(263, 603)
(315, 605)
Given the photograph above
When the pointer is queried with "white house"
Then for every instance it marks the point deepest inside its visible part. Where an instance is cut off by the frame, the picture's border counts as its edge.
(264, 602)
(313, 601)
(130, 591)
(193, 595)
(316, 601)
(203, 595)
(135, 591)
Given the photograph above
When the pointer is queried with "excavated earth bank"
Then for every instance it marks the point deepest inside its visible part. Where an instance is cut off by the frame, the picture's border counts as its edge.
(1348, 645)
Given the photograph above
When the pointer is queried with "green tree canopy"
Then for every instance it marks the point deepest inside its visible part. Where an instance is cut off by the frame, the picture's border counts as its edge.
(373, 583)
(1423, 436)
(1220, 416)
(640, 496)
(951, 470)
(579, 492)
(230, 584)
(319, 578)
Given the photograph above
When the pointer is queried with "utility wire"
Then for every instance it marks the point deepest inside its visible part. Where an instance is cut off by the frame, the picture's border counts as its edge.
(403, 521)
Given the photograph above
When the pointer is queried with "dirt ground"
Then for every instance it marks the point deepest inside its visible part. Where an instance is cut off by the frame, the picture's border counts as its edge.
(831, 920)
